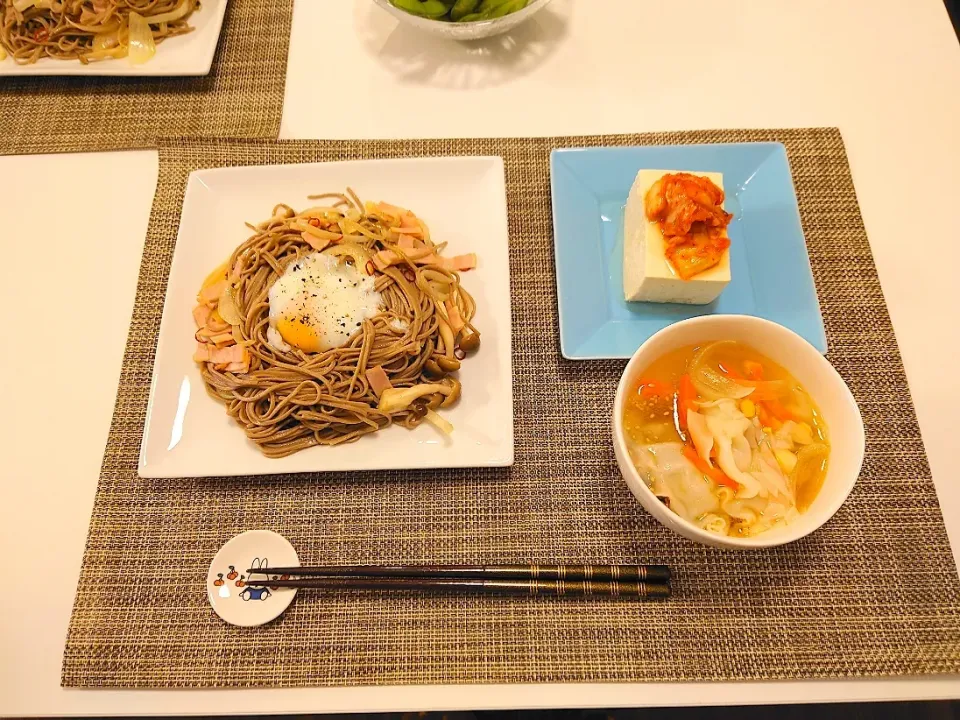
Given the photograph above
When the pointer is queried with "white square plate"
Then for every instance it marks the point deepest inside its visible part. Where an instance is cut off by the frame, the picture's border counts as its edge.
(188, 433)
(190, 54)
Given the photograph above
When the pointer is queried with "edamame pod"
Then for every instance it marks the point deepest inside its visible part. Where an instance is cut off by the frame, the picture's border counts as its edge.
(424, 8)
(488, 5)
(511, 6)
(462, 8)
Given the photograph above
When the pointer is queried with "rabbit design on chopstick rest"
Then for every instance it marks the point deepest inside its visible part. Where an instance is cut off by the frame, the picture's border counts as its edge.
(256, 593)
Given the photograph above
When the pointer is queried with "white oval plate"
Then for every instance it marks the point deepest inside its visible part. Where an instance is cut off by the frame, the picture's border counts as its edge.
(231, 598)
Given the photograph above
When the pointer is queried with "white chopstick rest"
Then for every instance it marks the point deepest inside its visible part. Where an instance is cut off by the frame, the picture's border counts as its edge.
(231, 597)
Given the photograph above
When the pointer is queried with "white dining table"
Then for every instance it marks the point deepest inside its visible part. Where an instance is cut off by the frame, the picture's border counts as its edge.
(886, 72)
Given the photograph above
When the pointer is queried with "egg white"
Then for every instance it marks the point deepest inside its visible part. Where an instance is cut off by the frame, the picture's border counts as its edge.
(318, 303)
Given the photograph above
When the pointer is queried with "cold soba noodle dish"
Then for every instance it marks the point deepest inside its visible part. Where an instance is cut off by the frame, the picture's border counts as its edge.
(334, 322)
(726, 438)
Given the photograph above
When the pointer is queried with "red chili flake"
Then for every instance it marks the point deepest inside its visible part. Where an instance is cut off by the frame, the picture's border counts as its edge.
(41, 35)
(314, 221)
(409, 275)
(370, 268)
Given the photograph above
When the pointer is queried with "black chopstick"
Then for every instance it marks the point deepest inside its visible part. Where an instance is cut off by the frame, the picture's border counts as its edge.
(629, 589)
(601, 573)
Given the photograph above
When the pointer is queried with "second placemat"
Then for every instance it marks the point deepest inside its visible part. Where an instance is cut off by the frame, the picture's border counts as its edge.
(241, 97)
(874, 592)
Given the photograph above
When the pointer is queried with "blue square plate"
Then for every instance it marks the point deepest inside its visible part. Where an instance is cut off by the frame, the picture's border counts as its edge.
(770, 270)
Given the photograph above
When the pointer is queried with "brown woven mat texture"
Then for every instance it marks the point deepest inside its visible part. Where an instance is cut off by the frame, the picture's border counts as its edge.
(241, 97)
(873, 593)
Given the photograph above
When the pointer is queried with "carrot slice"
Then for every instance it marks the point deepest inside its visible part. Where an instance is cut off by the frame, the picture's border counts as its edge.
(654, 388)
(730, 373)
(767, 418)
(753, 369)
(779, 411)
(714, 473)
(686, 396)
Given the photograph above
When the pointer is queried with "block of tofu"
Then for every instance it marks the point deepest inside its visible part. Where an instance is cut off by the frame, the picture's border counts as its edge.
(647, 274)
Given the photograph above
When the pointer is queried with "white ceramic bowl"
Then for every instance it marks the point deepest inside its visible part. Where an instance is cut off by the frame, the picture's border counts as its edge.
(465, 31)
(824, 384)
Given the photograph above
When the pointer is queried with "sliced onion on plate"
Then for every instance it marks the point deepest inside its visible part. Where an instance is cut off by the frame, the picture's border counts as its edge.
(228, 307)
(141, 45)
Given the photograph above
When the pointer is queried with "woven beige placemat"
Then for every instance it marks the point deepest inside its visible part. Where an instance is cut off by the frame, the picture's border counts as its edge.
(874, 592)
(241, 97)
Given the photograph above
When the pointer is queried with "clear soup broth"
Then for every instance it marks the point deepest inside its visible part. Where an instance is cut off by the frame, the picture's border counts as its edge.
(726, 438)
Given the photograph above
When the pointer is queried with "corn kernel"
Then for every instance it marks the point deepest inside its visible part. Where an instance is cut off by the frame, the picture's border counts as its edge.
(802, 434)
(786, 459)
(748, 408)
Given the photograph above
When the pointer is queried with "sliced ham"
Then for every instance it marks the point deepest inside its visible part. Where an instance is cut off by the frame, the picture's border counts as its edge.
(389, 209)
(420, 253)
(316, 243)
(456, 320)
(460, 262)
(201, 313)
(205, 334)
(384, 259)
(234, 353)
(414, 254)
(224, 338)
(216, 324)
(206, 352)
(378, 380)
(316, 231)
(424, 256)
(238, 367)
(429, 259)
(411, 225)
(407, 242)
(317, 238)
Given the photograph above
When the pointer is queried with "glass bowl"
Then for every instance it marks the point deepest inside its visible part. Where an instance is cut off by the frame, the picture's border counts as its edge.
(465, 31)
